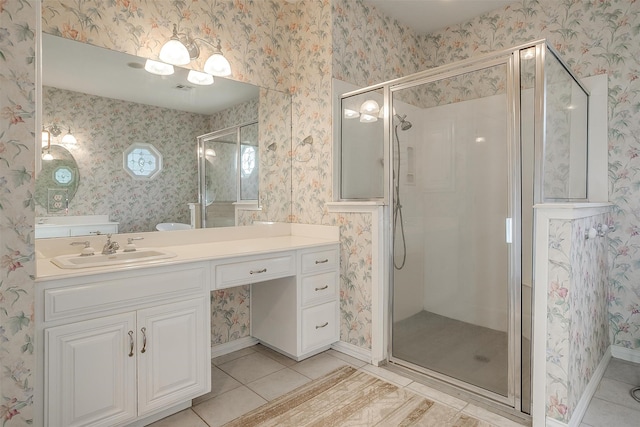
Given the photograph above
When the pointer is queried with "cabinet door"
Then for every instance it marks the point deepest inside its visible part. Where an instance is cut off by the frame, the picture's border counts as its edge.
(90, 376)
(173, 354)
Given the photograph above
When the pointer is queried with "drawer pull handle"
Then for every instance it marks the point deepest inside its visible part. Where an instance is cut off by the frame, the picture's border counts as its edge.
(322, 288)
(324, 261)
(144, 340)
(264, 270)
(130, 343)
(322, 326)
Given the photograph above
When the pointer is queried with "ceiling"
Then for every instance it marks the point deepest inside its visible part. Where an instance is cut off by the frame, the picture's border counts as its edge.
(427, 16)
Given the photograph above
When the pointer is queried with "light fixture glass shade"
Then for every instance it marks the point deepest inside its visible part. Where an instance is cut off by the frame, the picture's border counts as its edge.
(367, 118)
(217, 65)
(370, 107)
(46, 138)
(383, 110)
(69, 138)
(350, 114)
(47, 156)
(174, 52)
(200, 78)
(210, 152)
(159, 68)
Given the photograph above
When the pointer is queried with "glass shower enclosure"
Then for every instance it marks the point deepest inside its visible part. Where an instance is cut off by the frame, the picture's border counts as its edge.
(468, 150)
(227, 173)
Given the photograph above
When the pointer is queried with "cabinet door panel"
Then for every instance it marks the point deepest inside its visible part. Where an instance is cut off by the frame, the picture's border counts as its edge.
(172, 368)
(89, 377)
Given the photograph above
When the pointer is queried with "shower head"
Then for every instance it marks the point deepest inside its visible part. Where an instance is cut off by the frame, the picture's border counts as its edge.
(404, 124)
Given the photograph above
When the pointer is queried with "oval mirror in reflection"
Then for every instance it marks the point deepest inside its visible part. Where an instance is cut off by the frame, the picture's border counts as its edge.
(58, 180)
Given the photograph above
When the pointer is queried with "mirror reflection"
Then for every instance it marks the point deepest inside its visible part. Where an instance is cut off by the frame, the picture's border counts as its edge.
(108, 102)
(58, 180)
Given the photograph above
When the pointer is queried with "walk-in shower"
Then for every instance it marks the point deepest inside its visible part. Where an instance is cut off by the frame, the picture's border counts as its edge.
(227, 172)
(487, 139)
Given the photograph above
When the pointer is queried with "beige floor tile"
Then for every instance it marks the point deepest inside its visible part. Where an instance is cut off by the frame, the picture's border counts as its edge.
(318, 365)
(617, 392)
(278, 383)
(357, 363)
(623, 371)
(278, 357)
(228, 406)
(601, 413)
(387, 375)
(231, 356)
(220, 383)
(186, 418)
(436, 395)
(251, 367)
(490, 417)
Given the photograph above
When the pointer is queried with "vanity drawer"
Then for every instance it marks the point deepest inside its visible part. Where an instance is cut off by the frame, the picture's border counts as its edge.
(319, 326)
(97, 296)
(319, 287)
(254, 270)
(319, 260)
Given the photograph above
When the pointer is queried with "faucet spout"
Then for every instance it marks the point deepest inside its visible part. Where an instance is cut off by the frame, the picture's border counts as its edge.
(110, 247)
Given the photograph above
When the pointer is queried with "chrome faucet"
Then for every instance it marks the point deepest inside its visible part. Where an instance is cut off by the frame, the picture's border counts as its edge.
(110, 247)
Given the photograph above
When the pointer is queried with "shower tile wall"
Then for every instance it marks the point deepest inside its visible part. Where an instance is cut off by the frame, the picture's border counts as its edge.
(454, 286)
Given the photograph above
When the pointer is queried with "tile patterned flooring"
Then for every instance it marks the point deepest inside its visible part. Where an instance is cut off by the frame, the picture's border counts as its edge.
(612, 404)
(249, 378)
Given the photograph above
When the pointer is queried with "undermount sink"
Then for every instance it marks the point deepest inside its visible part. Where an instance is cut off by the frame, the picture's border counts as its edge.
(99, 260)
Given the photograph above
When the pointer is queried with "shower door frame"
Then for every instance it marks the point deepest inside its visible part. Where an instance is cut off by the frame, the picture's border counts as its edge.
(510, 59)
(200, 147)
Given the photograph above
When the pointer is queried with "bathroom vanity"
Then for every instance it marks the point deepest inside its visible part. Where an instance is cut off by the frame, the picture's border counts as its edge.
(129, 343)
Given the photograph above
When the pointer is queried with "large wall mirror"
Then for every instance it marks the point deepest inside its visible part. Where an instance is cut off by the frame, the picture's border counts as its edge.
(108, 101)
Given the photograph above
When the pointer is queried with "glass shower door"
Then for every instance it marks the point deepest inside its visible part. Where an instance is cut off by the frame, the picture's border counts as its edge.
(453, 204)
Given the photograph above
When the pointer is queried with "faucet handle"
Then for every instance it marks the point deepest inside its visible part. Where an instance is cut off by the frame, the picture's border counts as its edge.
(131, 247)
(87, 251)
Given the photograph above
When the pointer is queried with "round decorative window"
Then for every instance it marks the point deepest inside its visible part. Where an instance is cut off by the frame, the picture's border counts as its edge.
(63, 175)
(142, 160)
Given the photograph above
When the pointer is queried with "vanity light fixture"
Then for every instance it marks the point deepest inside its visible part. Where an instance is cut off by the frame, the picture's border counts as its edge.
(350, 114)
(157, 67)
(368, 118)
(199, 78)
(69, 138)
(182, 49)
(370, 107)
(53, 130)
(174, 51)
(46, 138)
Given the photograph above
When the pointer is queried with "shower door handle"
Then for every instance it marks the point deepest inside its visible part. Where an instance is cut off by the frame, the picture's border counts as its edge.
(509, 230)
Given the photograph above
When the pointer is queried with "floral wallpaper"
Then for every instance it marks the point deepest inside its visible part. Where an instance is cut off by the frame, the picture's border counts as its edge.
(17, 217)
(105, 128)
(298, 48)
(577, 323)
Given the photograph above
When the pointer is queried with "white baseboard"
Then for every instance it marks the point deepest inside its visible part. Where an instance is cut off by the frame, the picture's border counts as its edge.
(630, 355)
(353, 351)
(231, 346)
(583, 403)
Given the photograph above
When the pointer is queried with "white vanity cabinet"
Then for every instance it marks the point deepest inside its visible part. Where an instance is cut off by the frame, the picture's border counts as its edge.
(299, 315)
(123, 346)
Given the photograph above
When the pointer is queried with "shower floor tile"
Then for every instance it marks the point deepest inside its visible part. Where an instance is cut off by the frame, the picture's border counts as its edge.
(470, 353)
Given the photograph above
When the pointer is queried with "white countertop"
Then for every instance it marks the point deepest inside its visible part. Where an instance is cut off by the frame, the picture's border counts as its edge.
(191, 246)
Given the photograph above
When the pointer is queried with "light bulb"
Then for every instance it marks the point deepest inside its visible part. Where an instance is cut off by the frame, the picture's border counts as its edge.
(367, 118)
